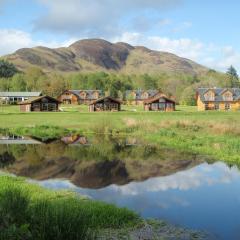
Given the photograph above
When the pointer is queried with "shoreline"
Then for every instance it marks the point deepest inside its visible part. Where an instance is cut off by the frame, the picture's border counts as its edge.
(135, 228)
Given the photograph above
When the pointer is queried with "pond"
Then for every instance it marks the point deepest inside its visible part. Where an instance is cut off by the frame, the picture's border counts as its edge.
(184, 189)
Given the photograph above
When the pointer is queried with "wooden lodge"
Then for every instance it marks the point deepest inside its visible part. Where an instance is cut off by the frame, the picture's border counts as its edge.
(137, 97)
(159, 103)
(79, 96)
(105, 104)
(225, 99)
(40, 104)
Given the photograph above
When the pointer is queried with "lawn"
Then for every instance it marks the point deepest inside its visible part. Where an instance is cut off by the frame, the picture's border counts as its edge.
(78, 117)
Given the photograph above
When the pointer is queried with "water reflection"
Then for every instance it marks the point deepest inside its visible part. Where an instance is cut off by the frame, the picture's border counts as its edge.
(76, 140)
(97, 161)
(156, 182)
(14, 139)
(205, 197)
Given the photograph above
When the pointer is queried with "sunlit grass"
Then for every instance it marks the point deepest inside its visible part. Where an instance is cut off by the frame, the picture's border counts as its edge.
(28, 211)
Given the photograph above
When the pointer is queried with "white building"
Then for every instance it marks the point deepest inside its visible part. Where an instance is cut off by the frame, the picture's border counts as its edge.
(16, 97)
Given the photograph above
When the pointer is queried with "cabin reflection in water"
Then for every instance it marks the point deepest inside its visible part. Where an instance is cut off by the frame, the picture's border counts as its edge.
(75, 140)
(132, 141)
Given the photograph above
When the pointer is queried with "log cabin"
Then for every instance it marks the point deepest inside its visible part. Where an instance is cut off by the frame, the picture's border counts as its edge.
(105, 104)
(218, 99)
(79, 96)
(159, 103)
(137, 97)
(40, 104)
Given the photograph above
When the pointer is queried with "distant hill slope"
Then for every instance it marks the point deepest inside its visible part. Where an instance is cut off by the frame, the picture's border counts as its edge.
(100, 55)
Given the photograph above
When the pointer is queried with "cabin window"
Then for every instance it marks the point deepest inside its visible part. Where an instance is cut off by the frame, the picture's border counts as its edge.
(209, 96)
(216, 106)
(162, 106)
(162, 100)
(45, 100)
(83, 95)
(106, 105)
(36, 106)
(49, 107)
(227, 106)
(206, 106)
(145, 96)
(154, 106)
(96, 95)
(169, 105)
(228, 96)
(67, 101)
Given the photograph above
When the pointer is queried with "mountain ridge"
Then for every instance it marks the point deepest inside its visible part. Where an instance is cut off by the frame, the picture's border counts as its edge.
(90, 55)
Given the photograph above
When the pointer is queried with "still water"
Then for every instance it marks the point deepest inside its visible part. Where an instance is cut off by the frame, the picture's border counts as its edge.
(183, 189)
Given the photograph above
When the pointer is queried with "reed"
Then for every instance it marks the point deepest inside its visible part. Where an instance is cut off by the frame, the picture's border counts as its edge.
(28, 211)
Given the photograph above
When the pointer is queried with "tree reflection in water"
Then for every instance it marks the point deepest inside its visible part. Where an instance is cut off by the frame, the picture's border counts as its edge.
(94, 162)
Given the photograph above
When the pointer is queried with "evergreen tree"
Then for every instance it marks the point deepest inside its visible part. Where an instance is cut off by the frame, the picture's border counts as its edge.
(7, 70)
(233, 76)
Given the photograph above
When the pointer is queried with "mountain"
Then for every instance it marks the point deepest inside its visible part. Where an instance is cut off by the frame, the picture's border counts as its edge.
(99, 55)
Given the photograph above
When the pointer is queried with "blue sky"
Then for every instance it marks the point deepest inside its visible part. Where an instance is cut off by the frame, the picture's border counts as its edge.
(204, 31)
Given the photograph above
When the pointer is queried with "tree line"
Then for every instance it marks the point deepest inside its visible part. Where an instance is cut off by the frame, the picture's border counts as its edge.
(181, 86)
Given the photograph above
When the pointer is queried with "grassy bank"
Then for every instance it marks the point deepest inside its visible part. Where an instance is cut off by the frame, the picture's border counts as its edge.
(28, 211)
(209, 133)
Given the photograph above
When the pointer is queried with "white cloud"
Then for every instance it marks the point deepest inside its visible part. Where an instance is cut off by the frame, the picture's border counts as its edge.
(208, 54)
(95, 17)
(160, 192)
(12, 40)
(184, 181)
(184, 47)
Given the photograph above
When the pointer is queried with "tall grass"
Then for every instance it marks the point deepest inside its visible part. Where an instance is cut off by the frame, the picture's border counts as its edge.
(30, 212)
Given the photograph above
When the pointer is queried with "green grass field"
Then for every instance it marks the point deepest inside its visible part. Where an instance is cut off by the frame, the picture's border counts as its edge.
(79, 117)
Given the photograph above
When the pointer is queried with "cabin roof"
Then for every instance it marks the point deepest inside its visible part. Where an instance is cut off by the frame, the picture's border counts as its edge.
(153, 99)
(90, 93)
(218, 93)
(20, 94)
(103, 98)
(139, 93)
(35, 99)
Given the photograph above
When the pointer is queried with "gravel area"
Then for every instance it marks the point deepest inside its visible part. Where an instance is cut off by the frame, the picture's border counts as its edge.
(155, 230)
